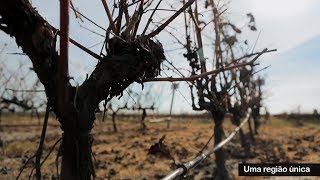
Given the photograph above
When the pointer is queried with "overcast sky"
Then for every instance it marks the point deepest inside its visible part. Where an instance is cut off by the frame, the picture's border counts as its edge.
(291, 26)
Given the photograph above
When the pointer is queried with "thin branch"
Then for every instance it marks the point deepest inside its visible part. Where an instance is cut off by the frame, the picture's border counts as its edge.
(139, 19)
(160, 28)
(77, 15)
(202, 75)
(133, 3)
(94, 45)
(85, 17)
(44, 160)
(175, 37)
(175, 68)
(85, 49)
(199, 38)
(57, 160)
(104, 110)
(22, 90)
(206, 145)
(80, 46)
(255, 43)
(52, 148)
(94, 32)
(106, 8)
(23, 54)
(24, 166)
(212, 19)
(150, 18)
(119, 18)
(248, 56)
(40, 148)
(22, 103)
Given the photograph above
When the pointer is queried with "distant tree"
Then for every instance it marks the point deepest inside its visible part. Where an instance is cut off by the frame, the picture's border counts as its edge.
(239, 102)
(256, 95)
(174, 87)
(143, 118)
(19, 90)
(267, 116)
(144, 101)
(316, 115)
(114, 114)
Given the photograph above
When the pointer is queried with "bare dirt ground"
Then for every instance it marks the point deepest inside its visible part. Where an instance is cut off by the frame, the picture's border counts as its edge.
(124, 155)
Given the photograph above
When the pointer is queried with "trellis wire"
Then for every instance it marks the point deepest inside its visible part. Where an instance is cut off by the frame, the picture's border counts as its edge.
(184, 168)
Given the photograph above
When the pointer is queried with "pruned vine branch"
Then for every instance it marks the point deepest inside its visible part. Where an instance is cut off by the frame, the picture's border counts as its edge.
(213, 72)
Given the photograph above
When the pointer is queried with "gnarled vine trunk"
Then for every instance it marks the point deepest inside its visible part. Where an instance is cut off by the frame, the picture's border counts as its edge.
(237, 114)
(76, 156)
(114, 124)
(143, 123)
(251, 130)
(244, 143)
(256, 118)
(221, 171)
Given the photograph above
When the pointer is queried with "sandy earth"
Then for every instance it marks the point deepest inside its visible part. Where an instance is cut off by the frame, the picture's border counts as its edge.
(124, 155)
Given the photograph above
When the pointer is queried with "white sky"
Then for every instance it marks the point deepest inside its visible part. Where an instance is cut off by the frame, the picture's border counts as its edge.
(284, 24)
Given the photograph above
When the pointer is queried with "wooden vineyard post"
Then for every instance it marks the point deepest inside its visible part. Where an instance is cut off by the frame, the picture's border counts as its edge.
(62, 74)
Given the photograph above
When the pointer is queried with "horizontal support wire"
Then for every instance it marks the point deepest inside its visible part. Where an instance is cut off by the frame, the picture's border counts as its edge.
(183, 169)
